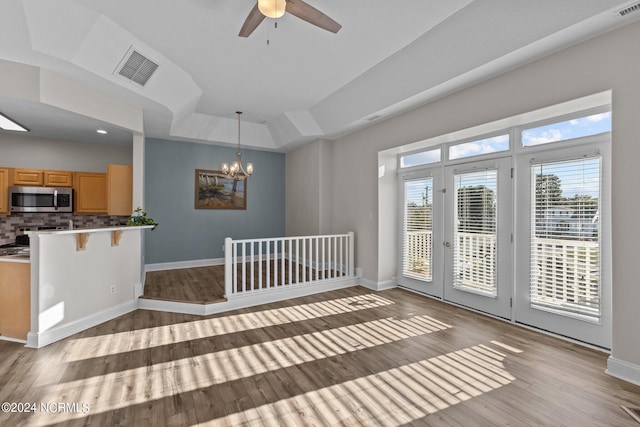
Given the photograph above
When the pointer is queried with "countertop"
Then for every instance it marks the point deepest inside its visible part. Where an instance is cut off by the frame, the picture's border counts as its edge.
(15, 258)
(87, 230)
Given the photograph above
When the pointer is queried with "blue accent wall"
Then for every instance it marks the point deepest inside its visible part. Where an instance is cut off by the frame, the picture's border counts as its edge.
(186, 233)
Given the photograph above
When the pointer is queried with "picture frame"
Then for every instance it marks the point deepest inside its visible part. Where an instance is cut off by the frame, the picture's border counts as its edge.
(214, 190)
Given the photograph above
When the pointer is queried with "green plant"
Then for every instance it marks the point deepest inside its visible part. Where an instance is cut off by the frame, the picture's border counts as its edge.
(140, 218)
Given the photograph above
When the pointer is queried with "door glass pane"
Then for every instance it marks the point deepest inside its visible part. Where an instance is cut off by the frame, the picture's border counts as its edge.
(474, 241)
(565, 237)
(417, 257)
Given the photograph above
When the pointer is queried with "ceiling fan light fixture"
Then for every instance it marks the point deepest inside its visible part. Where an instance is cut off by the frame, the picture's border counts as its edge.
(272, 8)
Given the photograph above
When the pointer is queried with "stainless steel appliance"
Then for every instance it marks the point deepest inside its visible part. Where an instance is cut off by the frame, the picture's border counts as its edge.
(40, 199)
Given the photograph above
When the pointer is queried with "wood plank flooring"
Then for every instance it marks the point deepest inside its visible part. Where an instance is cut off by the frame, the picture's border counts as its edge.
(205, 285)
(202, 285)
(350, 357)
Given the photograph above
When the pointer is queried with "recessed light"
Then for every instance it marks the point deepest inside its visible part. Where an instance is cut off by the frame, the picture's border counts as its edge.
(7, 124)
(102, 131)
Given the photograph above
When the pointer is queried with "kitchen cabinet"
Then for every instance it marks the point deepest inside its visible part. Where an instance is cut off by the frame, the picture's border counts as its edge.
(119, 189)
(4, 191)
(58, 179)
(90, 193)
(15, 302)
(33, 177)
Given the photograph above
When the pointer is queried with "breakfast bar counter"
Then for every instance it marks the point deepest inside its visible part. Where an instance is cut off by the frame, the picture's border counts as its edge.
(82, 277)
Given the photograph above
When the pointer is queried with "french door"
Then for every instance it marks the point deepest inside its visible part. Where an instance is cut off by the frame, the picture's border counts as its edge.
(478, 236)
(420, 263)
(563, 246)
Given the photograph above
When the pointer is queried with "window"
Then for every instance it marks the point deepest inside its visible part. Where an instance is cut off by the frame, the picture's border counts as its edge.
(565, 236)
(474, 238)
(569, 129)
(421, 158)
(493, 144)
(418, 229)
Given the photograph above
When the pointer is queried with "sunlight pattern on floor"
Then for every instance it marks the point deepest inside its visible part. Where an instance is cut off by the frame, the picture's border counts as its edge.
(85, 348)
(229, 365)
(407, 393)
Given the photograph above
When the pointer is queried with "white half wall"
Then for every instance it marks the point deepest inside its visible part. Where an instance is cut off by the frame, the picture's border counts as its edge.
(73, 290)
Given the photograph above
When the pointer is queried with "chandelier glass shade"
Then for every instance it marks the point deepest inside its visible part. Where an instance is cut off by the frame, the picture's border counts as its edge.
(236, 170)
(272, 8)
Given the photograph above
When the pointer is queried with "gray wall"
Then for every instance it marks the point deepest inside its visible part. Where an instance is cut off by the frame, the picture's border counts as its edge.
(186, 233)
(603, 63)
(18, 151)
(308, 189)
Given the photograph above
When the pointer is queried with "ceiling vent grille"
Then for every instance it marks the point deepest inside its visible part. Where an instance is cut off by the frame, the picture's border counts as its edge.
(627, 10)
(138, 68)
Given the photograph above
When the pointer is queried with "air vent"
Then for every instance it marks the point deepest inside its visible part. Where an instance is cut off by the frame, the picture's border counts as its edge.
(137, 68)
(630, 9)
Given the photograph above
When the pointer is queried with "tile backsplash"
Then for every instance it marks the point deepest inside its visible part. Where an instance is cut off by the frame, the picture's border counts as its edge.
(10, 224)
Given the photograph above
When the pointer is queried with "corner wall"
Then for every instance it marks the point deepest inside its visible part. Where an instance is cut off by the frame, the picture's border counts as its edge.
(309, 189)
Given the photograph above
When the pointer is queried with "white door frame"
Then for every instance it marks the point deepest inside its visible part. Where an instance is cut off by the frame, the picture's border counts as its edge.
(434, 287)
(499, 304)
(596, 333)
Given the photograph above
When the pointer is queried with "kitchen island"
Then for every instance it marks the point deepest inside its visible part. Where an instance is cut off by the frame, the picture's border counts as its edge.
(81, 278)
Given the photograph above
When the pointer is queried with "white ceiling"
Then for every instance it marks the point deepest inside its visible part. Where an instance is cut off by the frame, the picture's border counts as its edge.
(305, 84)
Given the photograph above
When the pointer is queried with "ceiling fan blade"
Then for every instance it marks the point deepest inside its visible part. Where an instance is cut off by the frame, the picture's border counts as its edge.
(312, 15)
(251, 23)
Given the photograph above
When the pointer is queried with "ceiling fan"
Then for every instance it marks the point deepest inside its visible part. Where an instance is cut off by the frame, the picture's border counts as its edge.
(276, 8)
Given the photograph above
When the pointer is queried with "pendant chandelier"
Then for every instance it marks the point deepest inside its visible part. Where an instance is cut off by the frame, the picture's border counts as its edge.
(237, 170)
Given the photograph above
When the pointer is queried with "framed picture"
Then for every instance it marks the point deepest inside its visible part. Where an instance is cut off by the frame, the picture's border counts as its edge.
(215, 191)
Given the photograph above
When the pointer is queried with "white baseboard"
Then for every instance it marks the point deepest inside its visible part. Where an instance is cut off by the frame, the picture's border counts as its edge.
(37, 340)
(172, 306)
(269, 296)
(377, 286)
(184, 264)
(244, 301)
(624, 370)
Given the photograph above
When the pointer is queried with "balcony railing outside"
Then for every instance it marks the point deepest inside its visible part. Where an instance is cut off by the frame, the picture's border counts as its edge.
(565, 273)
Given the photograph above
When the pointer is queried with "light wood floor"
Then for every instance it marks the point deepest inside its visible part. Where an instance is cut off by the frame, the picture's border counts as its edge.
(350, 357)
(205, 285)
(202, 285)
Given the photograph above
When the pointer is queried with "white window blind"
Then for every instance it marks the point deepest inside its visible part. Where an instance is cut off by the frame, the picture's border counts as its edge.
(417, 254)
(565, 237)
(474, 242)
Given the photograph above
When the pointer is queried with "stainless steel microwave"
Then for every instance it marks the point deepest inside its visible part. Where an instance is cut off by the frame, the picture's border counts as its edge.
(40, 199)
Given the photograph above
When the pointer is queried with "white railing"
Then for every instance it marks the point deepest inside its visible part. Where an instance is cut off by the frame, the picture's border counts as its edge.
(417, 254)
(263, 265)
(474, 258)
(566, 272)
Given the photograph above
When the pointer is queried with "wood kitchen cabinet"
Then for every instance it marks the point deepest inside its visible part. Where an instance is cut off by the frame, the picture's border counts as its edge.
(32, 177)
(58, 179)
(100, 193)
(15, 299)
(119, 189)
(90, 193)
(4, 191)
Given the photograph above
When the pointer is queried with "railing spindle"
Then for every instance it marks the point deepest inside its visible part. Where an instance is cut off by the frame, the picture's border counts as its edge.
(268, 265)
(244, 267)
